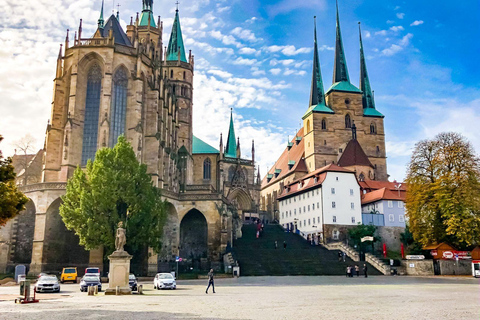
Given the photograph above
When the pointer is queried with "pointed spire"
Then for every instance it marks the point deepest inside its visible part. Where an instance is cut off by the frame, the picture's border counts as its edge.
(147, 19)
(231, 148)
(317, 95)
(80, 30)
(253, 151)
(221, 146)
(340, 71)
(258, 175)
(239, 154)
(101, 22)
(367, 97)
(175, 44)
(67, 41)
(59, 72)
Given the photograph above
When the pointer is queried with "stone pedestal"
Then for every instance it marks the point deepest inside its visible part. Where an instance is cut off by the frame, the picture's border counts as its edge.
(119, 272)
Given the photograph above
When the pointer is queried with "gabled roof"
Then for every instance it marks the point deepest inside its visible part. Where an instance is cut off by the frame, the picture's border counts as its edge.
(382, 194)
(353, 155)
(371, 185)
(118, 33)
(296, 153)
(344, 86)
(176, 42)
(200, 146)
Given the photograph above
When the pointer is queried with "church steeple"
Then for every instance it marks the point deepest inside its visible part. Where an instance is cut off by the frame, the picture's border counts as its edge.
(340, 71)
(101, 22)
(367, 96)
(231, 148)
(176, 50)
(147, 17)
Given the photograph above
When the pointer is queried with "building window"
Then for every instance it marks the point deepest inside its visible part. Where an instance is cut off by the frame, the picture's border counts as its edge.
(299, 210)
(373, 130)
(304, 196)
(295, 211)
(171, 74)
(333, 190)
(400, 204)
(353, 219)
(290, 213)
(207, 169)
(390, 204)
(92, 108)
(313, 220)
(391, 218)
(308, 221)
(300, 224)
(118, 111)
(308, 207)
(308, 194)
(283, 214)
(318, 205)
(184, 75)
(351, 192)
(304, 209)
(352, 205)
(336, 234)
(336, 178)
(324, 124)
(334, 219)
(401, 218)
(290, 200)
(305, 223)
(317, 192)
(333, 204)
(348, 121)
(308, 126)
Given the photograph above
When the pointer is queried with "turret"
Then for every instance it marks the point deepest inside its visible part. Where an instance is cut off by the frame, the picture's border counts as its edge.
(66, 41)
(221, 147)
(176, 49)
(253, 151)
(231, 147)
(101, 22)
(239, 153)
(59, 72)
(80, 30)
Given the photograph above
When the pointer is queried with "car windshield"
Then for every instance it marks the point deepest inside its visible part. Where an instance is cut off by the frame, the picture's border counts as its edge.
(92, 270)
(131, 277)
(90, 279)
(165, 276)
(69, 270)
(48, 278)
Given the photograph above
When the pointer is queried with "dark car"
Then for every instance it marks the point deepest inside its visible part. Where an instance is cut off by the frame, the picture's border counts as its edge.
(132, 282)
(88, 281)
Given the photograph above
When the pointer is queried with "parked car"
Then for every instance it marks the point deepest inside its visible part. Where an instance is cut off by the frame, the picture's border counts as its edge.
(92, 272)
(47, 283)
(88, 281)
(69, 274)
(132, 282)
(41, 274)
(164, 281)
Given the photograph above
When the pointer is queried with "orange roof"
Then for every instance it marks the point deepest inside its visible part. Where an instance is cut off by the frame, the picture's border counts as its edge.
(308, 181)
(382, 194)
(353, 155)
(375, 185)
(296, 153)
(442, 245)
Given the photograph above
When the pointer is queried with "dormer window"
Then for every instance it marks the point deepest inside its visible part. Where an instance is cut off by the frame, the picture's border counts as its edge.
(315, 180)
(291, 163)
(298, 139)
(277, 172)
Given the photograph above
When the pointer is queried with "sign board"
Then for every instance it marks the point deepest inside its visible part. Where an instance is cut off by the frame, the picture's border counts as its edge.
(412, 265)
(455, 255)
(415, 257)
(20, 270)
(367, 239)
(178, 259)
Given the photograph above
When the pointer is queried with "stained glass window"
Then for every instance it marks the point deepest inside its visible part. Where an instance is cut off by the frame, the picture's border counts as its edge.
(207, 169)
(119, 105)
(92, 106)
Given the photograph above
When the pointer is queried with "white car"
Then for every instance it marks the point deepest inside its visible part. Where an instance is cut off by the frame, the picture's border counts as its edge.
(47, 284)
(164, 281)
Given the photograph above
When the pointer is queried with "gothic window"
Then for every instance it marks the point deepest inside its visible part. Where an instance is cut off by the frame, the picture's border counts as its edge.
(184, 75)
(373, 129)
(92, 107)
(324, 124)
(378, 149)
(308, 126)
(348, 121)
(118, 111)
(171, 74)
(207, 169)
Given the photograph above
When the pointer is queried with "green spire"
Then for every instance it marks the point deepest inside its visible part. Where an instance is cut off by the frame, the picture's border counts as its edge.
(101, 22)
(146, 14)
(367, 96)
(231, 148)
(176, 42)
(340, 71)
(317, 95)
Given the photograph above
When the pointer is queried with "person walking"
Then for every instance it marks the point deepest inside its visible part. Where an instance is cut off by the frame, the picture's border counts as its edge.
(357, 270)
(365, 270)
(276, 244)
(339, 256)
(347, 271)
(210, 281)
(284, 245)
(344, 256)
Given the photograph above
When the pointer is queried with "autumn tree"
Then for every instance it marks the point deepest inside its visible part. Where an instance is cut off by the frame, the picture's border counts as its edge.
(25, 147)
(113, 188)
(443, 197)
(12, 201)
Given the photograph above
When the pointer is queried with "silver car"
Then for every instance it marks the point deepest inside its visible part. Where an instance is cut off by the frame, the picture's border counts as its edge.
(164, 281)
(47, 284)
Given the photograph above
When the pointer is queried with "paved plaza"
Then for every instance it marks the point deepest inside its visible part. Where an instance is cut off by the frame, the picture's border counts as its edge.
(334, 297)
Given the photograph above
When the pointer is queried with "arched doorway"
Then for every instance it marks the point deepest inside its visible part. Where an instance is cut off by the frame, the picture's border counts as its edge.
(194, 238)
(61, 246)
(24, 230)
(170, 240)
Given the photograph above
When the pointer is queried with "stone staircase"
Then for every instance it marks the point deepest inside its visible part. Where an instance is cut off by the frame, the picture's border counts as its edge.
(258, 257)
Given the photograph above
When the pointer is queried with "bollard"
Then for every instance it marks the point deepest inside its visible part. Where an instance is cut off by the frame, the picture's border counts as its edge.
(90, 290)
(140, 289)
(96, 290)
(117, 290)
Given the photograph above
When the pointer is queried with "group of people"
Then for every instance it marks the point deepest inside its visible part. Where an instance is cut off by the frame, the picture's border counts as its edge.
(355, 270)
(284, 244)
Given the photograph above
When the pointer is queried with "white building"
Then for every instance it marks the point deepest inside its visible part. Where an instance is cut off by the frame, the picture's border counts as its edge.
(324, 203)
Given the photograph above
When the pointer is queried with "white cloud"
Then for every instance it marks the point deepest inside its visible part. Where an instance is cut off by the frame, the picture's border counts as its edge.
(275, 71)
(396, 8)
(381, 33)
(251, 20)
(288, 50)
(226, 39)
(223, 9)
(245, 62)
(395, 48)
(289, 71)
(416, 23)
(367, 34)
(400, 15)
(208, 48)
(390, 22)
(245, 34)
(257, 72)
(220, 73)
(246, 50)
(396, 28)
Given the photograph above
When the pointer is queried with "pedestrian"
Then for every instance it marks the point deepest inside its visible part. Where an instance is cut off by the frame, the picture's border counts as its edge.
(276, 245)
(346, 271)
(357, 270)
(339, 255)
(349, 272)
(284, 245)
(210, 281)
(365, 270)
(344, 256)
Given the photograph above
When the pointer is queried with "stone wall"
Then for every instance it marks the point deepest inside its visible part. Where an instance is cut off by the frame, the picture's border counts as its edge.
(452, 267)
(418, 267)
(390, 236)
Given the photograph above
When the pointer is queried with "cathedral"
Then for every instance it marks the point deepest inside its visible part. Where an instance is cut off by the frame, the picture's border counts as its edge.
(118, 82)
(340, 126)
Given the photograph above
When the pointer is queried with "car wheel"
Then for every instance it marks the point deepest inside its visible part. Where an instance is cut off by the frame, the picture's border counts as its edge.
(154, 287)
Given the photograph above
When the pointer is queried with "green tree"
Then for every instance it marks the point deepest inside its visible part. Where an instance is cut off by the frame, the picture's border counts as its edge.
(113, 188)
(361, 230)
(411, 246)
(443, 197)
(12, 201)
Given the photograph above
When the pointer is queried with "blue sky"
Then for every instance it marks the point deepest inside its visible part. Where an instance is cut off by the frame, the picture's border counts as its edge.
(256, 57)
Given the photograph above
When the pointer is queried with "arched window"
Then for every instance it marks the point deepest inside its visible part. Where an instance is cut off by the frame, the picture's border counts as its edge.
(308, 126)
(372, 128)
(184, 75)
(207, 169)
(348, 121)
(324, 124)
(92, 107)
(118, 110)
(171, 74)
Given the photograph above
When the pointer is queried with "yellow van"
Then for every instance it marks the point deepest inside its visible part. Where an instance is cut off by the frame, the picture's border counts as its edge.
(69, 274)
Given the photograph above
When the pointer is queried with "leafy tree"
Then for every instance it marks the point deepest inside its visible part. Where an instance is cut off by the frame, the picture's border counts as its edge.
(113, 188)
(411, 246)
(12, 201)
(361, 230)
(443, 197)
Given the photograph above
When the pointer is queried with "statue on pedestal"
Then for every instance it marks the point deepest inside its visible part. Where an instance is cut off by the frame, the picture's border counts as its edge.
(121, 238)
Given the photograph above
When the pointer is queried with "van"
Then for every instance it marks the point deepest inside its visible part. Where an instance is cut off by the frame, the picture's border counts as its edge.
(69, 274)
